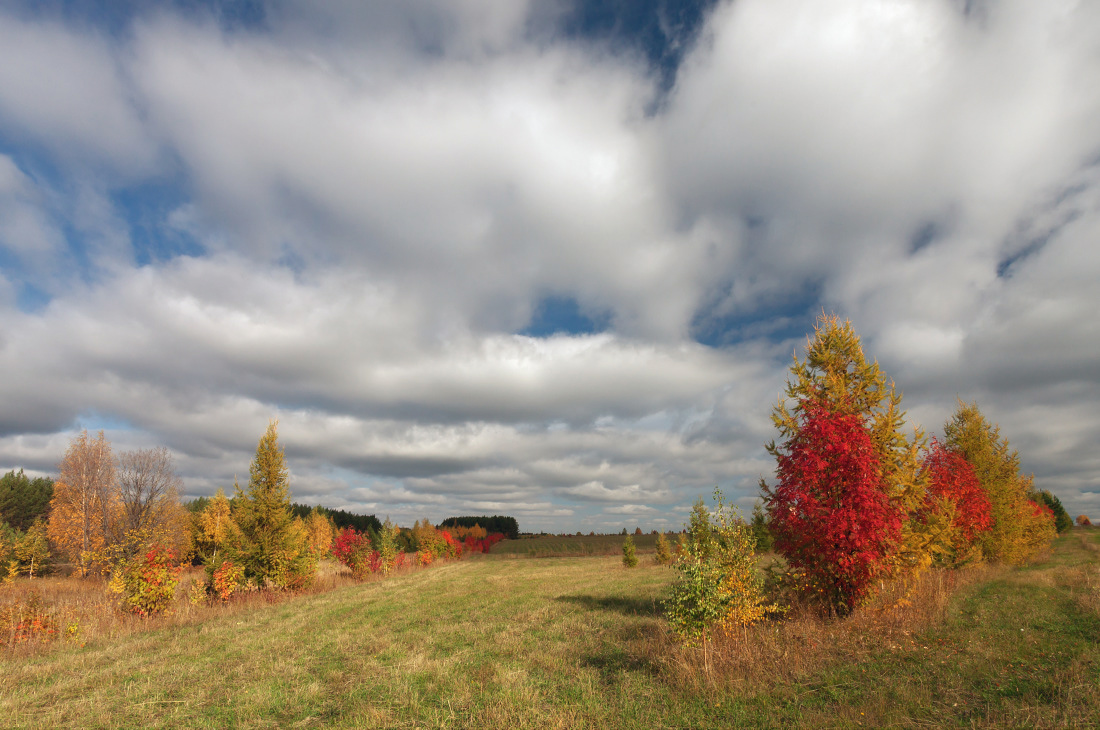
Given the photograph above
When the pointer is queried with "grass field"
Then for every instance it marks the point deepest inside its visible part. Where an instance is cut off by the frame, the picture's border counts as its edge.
(555, 546)
(579, 642)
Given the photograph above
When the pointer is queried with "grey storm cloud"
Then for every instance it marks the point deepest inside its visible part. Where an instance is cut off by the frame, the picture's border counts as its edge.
(353, 212)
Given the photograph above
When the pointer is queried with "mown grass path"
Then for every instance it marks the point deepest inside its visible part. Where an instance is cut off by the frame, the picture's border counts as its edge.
(567, 643)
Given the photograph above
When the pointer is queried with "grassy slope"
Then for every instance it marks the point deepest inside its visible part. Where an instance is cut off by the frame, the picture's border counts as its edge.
(566, 642)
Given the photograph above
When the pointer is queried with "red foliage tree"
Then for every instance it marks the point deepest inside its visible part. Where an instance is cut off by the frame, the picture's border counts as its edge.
(830, 513)
(353, 549)
(482, 545)
(452, 547)
(1040, 511)
(951, 477)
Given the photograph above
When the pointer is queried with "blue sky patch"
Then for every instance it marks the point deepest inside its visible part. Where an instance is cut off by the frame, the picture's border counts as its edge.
(558, 315)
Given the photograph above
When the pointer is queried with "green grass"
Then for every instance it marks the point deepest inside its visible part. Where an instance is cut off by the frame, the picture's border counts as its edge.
(579, 642)
(553, 546)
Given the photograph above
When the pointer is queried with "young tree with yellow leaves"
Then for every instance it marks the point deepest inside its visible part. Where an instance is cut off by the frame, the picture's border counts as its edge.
(719, 585)
(84, 503)
(320, 532)
(212, 528)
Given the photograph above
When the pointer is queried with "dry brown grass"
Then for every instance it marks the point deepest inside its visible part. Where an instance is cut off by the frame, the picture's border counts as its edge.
(806, 642)
(40, 613)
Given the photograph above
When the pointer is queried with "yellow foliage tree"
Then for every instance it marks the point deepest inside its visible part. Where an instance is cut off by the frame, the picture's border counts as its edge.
(429, 541)
(319, 532)
(32, 553)
(84, 504)
(835, 373)
(997, 467)
(214, 527)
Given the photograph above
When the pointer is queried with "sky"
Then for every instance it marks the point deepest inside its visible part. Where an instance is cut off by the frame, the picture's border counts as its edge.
(544, 259)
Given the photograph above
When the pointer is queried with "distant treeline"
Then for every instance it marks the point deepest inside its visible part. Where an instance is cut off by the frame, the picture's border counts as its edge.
(341, 519)
(23, 500)
(507, 526)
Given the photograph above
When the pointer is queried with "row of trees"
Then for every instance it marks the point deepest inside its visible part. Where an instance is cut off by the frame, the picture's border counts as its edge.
(105, 509)
(24, 544)
(857, 501)
(857, 498)
(503, 524)
(121, 516)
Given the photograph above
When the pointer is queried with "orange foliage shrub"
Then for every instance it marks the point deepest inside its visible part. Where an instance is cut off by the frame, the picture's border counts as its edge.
(227, 580)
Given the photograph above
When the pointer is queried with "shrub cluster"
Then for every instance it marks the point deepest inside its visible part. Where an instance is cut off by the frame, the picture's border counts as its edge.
(857, 501)
(147, 583)
(357, 551)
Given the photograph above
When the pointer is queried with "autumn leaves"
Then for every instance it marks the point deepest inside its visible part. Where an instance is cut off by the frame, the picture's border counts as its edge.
(858, 500)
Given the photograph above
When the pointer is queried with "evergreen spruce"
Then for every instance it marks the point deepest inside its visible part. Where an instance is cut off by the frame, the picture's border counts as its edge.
(1062, 520)
(630, 557)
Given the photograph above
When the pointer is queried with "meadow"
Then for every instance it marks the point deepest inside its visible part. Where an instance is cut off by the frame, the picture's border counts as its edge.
(560, 546)
(496, 641)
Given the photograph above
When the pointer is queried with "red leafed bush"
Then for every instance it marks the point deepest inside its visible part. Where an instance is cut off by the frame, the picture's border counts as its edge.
(452, 547)
(474, 545)
(353, 549)
(147, 583)
(1041, 510)
(830, 514)
(951, 477)
(227, 580)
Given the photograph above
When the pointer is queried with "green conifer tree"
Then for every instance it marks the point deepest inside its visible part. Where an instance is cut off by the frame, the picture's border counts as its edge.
(760, 531)
(630, 557)
(23, 500)
(1062, 520)
(269, 546)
